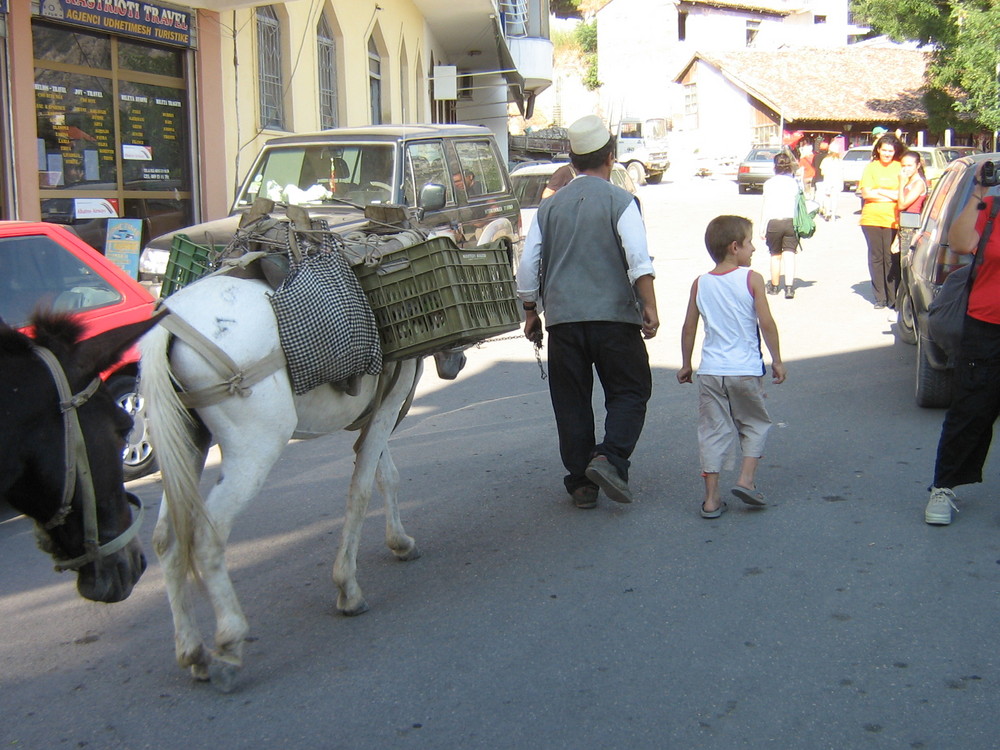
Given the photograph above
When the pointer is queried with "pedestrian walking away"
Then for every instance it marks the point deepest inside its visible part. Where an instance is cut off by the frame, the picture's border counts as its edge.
(732, 301)
(586, 265)
(777, 224)
(879, 188)
(967, 431)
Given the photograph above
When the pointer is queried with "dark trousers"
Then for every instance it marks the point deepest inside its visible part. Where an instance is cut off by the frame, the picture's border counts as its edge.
(968, 424)
(883, 265)
(618, 353)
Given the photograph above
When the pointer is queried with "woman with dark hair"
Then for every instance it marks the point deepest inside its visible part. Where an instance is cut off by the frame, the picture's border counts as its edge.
(777, 225)
(912, 193)
(879, 188)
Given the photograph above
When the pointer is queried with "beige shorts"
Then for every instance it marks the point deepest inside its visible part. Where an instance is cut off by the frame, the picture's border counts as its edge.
(729, 407)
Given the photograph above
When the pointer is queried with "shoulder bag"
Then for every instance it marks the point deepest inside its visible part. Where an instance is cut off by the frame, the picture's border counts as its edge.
(946, 312)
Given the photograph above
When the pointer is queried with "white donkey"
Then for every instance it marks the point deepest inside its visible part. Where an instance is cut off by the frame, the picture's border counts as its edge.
(252, 427)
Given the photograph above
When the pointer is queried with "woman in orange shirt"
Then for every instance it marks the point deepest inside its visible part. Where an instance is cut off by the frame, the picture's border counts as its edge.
(879, 187)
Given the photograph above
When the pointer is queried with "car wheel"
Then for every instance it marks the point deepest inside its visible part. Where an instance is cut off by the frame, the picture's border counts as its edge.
(933, 386)
(637, 172)
(906, 323)
(654, 179)
(137, 458)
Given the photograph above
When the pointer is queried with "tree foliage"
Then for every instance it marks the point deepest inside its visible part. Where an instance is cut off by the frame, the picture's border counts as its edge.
(565, 8)
(586, 37)
(965, 63)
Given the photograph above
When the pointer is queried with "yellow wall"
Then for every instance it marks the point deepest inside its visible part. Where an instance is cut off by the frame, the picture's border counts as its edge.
(396, 27)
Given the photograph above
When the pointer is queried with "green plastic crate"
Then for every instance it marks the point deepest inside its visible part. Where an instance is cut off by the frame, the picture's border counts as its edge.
(434, 295)
(188, 262)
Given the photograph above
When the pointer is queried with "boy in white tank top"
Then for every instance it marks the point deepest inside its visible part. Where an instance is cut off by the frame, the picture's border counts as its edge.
(732, 300)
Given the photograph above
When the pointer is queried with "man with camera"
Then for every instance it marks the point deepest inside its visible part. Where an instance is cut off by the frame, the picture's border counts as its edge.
(968, 424)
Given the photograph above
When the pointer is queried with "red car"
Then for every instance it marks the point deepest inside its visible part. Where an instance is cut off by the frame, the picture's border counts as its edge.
(43, 263)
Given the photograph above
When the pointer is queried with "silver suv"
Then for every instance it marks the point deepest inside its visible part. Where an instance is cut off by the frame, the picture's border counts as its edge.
(450, 178)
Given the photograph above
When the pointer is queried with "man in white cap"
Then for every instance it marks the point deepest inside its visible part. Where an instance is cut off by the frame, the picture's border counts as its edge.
(585, 258)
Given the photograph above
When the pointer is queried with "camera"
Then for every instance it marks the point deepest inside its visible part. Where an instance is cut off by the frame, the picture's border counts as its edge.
(989, 175)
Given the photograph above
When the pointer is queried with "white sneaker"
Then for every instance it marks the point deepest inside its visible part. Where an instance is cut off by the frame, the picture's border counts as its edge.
(939, 507)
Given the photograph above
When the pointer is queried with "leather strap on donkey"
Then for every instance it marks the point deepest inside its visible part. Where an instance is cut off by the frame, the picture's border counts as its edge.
(237, 380)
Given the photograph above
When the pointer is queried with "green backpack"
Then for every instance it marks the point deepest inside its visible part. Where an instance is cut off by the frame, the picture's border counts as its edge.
(804, 221)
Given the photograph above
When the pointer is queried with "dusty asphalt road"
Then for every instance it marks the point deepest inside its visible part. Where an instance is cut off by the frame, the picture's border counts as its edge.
(834, 619)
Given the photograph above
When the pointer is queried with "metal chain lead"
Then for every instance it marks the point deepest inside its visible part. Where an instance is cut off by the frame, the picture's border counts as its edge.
(517, 337)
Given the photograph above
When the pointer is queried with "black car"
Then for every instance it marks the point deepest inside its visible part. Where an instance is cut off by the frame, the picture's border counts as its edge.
(925, 265)
(449, 178)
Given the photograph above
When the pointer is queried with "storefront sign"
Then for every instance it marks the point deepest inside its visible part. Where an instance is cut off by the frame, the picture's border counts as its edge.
(122, 245)
(132, 18)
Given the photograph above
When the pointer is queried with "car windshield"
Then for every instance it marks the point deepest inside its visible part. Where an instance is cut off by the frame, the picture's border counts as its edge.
(763, 154)
(37, 270)
(859, 155)
(323, 174)
(655, 128)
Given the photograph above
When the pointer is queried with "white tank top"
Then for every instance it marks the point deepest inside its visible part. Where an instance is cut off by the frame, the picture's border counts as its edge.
(732, 339)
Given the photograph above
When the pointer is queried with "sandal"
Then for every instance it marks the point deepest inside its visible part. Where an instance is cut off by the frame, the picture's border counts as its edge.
(749, 496)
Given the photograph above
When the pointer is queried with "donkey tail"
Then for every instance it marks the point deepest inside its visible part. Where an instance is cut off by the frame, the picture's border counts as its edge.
(173, 434)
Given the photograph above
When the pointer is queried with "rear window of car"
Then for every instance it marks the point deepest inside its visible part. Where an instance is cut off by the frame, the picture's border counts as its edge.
(528, 188)
(36, 270)
(859, 155)
(763, 154)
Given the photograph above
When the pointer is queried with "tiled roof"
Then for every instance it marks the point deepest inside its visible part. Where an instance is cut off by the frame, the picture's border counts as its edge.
(843, 84)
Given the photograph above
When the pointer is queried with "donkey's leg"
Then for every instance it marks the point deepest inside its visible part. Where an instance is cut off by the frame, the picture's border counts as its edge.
(369, 447)
(247, 457)
(387, 478)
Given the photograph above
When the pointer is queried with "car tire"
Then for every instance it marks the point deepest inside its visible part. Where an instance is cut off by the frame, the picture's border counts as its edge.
(637, 172)
(138, 459)
(906, 322)
(933, 386)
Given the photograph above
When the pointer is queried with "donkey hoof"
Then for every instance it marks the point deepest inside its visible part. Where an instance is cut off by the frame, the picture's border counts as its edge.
(405, 556)
(359, 609)
(223, 675)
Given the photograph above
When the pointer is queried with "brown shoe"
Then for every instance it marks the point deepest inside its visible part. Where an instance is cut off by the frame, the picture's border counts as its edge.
(585, 497)
(604, 475)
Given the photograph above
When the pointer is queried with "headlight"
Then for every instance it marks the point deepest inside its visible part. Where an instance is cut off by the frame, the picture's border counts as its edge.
(153, 261)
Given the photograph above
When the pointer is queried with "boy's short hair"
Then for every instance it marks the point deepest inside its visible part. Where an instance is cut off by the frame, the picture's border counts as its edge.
(722, 231)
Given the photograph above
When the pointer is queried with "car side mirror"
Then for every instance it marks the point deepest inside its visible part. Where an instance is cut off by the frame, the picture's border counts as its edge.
(432, 197)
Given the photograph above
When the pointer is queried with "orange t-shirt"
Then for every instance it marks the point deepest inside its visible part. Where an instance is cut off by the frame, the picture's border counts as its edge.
(875, 176)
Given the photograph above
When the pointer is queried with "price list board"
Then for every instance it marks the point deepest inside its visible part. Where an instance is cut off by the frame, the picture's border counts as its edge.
(75, 121)
(154, 135)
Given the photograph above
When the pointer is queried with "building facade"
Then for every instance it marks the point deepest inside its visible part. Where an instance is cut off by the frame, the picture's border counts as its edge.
(154, 111)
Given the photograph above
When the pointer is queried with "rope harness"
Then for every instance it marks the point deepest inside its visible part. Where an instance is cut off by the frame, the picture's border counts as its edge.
(78, 474)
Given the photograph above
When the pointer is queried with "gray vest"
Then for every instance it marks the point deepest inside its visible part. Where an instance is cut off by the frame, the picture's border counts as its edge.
(584, 272)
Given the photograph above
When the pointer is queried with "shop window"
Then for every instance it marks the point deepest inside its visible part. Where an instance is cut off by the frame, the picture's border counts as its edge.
(112, 141)
(326, 53)
(272, 110)
(375, 81)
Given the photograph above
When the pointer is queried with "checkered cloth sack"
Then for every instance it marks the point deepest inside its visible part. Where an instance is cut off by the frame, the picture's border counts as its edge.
(325, 324)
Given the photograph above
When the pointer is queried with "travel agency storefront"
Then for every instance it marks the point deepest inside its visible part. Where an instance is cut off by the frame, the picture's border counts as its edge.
(108, 100)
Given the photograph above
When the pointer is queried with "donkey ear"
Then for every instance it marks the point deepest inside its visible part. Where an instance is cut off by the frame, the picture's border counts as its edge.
(97, 354)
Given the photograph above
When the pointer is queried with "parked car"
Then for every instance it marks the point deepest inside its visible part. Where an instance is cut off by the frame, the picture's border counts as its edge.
(924, 266)
(529, 182)
(934, 158)
(44, 263)
(757, 167)
(450, 179)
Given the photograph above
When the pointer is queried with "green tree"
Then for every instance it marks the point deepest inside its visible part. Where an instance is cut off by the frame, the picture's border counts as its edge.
(965, 61)
(565, 8)
(586, 37)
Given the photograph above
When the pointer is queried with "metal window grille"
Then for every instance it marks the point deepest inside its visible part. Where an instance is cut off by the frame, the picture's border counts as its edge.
(515, 18)
(326, 48)
(272, 110)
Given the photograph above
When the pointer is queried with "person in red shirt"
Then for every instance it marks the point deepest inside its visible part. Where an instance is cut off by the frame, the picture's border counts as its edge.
(968, 424)
(808, 170)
